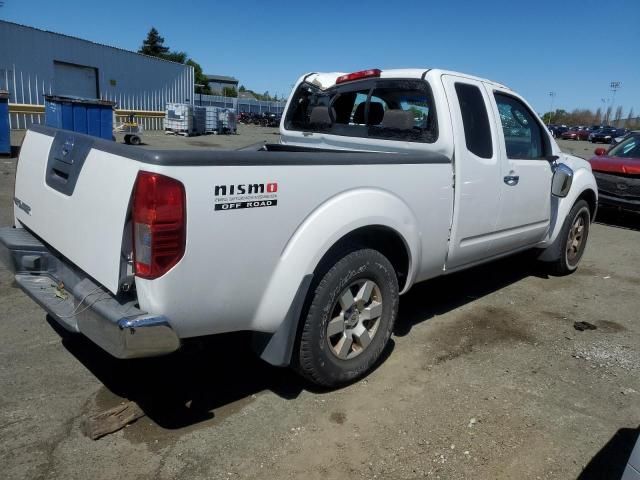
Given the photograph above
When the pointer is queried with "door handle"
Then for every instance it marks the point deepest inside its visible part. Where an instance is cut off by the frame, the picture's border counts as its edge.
(511, 180)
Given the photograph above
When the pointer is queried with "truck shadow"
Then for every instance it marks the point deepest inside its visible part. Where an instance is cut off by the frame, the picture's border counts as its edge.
(216, 374)
(612, 459)
(620, 219)
(189, 386)
(441, 295)
(208, 377)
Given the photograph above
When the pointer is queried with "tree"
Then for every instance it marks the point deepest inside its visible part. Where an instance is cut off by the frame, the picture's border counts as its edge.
(154, 44)
(607, 115)
(618, 115)
(630, 119)
(229, 92)
(598, 116)
(242, 89)
(178, 57)
(199, 77)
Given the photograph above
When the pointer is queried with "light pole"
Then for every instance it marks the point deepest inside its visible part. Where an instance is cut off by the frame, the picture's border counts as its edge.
(614, 86)
(553, 96)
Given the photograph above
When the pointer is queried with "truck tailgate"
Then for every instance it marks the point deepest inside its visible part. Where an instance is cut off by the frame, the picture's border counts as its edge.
(75, 198)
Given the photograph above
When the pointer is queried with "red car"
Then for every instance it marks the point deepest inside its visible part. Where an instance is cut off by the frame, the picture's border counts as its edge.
(576, 133)
(617, 173)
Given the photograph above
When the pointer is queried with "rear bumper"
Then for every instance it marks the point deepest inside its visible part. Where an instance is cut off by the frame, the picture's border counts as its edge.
(79, 304)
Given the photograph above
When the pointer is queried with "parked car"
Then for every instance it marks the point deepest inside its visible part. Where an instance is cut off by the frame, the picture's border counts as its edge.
(620, 135)
(576, 133)
(308, 244)
(558, 130)
(604, 135)
(617, 173)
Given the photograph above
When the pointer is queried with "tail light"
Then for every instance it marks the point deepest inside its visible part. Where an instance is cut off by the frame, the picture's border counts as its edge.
(349, 77)
(159, 224)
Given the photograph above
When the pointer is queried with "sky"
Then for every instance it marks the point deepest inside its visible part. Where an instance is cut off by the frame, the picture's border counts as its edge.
(574, 48)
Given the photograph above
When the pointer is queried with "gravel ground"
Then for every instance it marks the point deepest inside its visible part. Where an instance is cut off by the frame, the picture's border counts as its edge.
(485, 378)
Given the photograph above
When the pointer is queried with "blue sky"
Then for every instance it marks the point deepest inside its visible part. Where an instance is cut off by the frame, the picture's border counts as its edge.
(574, 48)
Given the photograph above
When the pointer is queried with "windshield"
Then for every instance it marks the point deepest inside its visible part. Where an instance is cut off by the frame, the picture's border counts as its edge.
(382, 108)
(630, 148)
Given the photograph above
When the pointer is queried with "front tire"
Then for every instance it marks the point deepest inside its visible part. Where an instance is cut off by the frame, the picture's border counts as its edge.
(349, 320)
(574, 235)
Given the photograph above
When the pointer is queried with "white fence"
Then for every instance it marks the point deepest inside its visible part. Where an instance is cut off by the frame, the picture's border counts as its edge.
(248, 105)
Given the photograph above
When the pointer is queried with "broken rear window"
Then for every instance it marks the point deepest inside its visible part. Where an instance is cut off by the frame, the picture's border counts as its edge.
(387, 109)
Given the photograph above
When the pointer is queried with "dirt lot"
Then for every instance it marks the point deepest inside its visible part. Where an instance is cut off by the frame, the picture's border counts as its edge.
(485, 378)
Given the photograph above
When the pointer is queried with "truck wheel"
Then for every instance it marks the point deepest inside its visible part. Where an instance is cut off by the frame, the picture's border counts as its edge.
(574, 235)
(135, 140)
(349, 320)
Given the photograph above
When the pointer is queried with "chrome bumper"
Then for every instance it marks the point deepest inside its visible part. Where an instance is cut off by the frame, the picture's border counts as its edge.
(114, 322)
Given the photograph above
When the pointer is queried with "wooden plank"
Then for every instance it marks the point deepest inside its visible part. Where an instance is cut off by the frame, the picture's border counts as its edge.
(112, 420)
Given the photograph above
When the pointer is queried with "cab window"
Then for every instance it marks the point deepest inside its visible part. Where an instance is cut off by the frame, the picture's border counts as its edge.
(523, 135)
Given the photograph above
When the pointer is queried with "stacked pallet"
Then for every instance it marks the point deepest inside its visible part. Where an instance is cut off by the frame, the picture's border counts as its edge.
(212, 121)
(199, 120)
(178, 119)
(228, 120)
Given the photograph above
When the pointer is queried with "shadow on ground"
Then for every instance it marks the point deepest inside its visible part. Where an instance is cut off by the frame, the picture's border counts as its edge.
(612, 459)
(618, 218)
(194, 384)
(440, 295)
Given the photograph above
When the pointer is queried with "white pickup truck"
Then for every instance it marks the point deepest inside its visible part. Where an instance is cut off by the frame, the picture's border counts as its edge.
(382, 179)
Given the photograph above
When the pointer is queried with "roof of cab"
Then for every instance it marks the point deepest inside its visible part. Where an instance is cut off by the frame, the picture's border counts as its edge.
(328, 79)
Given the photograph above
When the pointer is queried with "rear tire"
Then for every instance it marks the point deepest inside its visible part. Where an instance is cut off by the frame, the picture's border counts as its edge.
(349, 320)
(574, 236)
(134, 140)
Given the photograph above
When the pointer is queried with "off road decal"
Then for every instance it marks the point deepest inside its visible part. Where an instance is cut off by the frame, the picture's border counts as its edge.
(245, 195)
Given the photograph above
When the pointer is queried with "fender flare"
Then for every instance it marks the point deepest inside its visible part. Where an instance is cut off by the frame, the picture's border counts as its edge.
(278, 314)
(583, 181)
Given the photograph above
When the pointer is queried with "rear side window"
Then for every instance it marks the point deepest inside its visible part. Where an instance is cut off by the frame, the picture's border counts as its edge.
(385, 109)
(522, 132)
(475, 120)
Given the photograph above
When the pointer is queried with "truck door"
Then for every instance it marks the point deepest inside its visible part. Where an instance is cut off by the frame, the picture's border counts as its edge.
(525, 199)
(478, 181)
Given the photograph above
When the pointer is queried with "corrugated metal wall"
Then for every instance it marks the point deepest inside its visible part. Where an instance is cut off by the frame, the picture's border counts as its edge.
(134, 82)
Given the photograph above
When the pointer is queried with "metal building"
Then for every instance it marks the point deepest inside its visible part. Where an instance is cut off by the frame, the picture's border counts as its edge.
(217, 83)
(35, 62)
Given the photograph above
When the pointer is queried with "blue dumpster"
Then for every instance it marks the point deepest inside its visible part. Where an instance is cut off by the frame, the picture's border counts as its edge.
(93, 117)
(5, 139)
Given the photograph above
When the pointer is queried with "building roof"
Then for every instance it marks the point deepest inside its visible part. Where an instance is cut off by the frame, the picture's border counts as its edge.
(221, 78)
(89, 41)
(246, 95)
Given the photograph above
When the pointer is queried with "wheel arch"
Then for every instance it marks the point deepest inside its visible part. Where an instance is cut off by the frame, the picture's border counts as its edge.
(374, 219)
(591, 198)
(386, 240)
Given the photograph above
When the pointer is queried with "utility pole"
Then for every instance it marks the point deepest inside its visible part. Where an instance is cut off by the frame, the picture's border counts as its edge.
(551, 111)
(614, 86)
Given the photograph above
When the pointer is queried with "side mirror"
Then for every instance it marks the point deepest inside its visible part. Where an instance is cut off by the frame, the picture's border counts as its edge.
(562, 180)
(600, 151)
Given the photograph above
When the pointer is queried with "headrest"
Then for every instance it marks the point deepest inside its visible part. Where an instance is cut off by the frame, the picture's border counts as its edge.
(320, 116)
(376, 112)
(398, 119)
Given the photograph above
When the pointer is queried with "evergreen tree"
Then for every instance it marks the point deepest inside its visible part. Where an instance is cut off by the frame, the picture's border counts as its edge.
(154, 44)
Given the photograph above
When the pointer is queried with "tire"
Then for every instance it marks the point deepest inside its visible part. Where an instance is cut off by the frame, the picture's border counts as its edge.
(338, 343)
(570, 252)
(134, 140)
(127, 139)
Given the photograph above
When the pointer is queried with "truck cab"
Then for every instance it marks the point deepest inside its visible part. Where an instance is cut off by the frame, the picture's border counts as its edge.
(504, 157)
